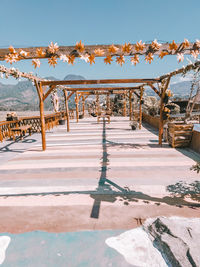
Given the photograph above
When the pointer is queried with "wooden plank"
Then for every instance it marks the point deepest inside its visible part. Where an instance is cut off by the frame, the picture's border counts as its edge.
(106, 81)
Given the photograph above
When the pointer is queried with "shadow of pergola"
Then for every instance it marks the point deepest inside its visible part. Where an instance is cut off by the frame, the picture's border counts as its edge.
(180, 196)
(9, 147)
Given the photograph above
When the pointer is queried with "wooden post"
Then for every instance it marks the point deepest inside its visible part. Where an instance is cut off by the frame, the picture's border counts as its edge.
(130, 105)
(140, 114)
(67, 109)
(83, 105)
(108, 101)
(124, 110)
(42, 118)
(77, 100)
(97, 105)
(161, 121)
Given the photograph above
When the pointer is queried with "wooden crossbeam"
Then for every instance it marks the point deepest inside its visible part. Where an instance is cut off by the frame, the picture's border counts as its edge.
(96, 89)
(68, 97)
(90, 49)
(52, 87)
(155, 89)
(106, 81)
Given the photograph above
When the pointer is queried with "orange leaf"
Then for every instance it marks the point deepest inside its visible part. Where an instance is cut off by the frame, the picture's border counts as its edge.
(52, 61)
(120, 60)
(36, 63)
(80, 47)
(108, 59)
(112, 49)
(126, 48)
(99, 52)
(91, 59)
(173, 46)
(149, 58)
(71, 59)
(163, 54)
(139, 46)
(135, 59)
(40, 52)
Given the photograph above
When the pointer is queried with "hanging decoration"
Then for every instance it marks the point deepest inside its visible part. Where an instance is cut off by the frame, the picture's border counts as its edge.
(55, 100)
(54, 53)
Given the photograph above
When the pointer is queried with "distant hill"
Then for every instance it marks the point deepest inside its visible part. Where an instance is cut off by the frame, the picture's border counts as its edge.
(180, 89)
(23, 95)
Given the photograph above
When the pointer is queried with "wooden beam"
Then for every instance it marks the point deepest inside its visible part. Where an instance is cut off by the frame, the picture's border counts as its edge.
(89, 49)
(52, 87)
(68, 97)
(185, 69)
(155, 89)
(67, 109)
(138, 96)
(140, 114)
(96, 89)
(106, 81)
(161, 121)
(42, 118)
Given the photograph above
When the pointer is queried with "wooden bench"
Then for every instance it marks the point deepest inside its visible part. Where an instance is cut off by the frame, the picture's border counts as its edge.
(22, 130)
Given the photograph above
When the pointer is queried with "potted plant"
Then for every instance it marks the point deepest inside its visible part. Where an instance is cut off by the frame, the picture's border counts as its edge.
(134, 125)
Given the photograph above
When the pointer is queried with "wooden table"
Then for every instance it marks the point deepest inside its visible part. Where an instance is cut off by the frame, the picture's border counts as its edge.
(21, 130)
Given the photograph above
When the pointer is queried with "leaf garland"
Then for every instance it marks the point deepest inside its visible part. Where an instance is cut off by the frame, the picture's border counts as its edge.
(52, 53)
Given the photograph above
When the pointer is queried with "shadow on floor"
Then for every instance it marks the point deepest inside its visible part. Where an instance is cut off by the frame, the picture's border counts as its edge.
(108, 191)
(11, 146)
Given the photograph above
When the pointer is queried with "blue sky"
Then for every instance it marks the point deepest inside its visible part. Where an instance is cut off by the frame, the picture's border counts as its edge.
(37, 23)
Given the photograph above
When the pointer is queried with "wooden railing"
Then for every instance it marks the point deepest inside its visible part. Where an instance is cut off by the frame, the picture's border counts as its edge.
(51, 121)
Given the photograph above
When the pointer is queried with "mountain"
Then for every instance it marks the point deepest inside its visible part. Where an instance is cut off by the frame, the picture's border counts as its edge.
(180, 89)
(74, 77)
(23, 95)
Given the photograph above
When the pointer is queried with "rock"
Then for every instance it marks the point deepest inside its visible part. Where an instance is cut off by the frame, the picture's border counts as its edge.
(178, 239)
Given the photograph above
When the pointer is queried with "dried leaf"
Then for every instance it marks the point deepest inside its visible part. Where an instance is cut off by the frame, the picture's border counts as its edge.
(149, 58)
(52, 61)
(36, 63)
(108, 59)
(120, 60)
(80, 47)
(99, 52)
(135, 60)
(112, 49)
(173, 46)
(139, 46)
(126, 48)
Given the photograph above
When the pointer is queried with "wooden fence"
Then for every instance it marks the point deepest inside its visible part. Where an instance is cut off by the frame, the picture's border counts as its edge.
(51, 121)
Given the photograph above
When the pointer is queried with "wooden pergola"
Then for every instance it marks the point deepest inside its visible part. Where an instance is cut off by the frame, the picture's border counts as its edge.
(159, 85)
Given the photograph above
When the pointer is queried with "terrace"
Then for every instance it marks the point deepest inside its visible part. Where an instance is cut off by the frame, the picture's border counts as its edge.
(97, 176)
